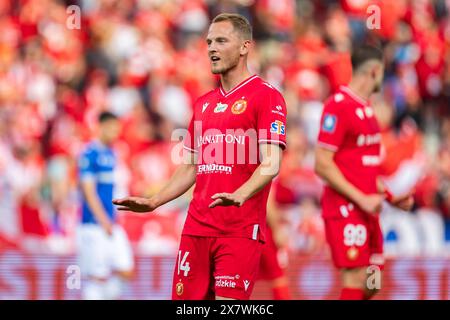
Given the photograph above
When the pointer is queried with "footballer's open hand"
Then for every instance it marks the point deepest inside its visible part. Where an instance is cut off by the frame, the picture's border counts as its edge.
(134, 204)
(371, 203)
(403, 202)
(227, 199)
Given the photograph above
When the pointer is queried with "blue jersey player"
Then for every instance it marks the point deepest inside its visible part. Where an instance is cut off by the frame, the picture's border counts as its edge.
(105, 254)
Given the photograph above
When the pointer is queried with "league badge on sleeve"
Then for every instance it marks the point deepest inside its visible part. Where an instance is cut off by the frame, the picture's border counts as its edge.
(329, 123)
(278, 127)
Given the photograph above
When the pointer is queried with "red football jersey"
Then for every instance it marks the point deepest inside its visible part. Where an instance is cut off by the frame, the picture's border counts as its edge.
(349, 127)
(225, 132)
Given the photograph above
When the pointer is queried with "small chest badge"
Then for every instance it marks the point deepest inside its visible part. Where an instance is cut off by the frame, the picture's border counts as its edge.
(239, 106)
(220, 107)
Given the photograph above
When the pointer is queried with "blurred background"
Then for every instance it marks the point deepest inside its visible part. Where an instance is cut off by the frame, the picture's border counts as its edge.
(146, 61)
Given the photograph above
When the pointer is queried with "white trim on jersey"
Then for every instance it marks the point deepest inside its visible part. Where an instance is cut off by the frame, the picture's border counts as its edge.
(354, 96)
(238, 87)
(272, 141)
(255, 232)
(87, 176)
(327, 146)
(189, 149)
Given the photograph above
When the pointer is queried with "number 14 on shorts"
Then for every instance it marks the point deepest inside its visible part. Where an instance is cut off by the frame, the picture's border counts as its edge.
(182, 264)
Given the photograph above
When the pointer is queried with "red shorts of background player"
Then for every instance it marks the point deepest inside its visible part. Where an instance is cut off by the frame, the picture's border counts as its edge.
(269, 267)
(209, 266)
(355, 241)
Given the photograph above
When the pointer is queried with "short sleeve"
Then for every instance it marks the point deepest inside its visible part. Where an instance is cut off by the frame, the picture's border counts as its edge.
(86, 166)
(271, 121)
(332, 127)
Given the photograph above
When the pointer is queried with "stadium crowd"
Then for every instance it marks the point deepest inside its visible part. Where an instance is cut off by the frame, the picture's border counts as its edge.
(146, 61)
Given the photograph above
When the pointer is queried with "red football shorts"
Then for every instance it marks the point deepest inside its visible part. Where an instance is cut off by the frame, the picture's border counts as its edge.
(208, 266)
(269, 268)
(355, 241)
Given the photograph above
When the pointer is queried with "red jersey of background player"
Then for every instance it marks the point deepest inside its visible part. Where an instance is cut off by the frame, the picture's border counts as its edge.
(349, 128)
(225, 132)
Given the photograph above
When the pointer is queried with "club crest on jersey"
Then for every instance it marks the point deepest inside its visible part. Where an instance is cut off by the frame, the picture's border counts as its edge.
(352, 253)
(239, 106)
(220, 107)
(278, 127)
(329, 123)
(179, 288)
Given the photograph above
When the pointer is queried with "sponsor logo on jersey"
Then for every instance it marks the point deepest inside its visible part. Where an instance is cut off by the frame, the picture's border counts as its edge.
(214, 168)
(226, 281)
(329, 123)
(225, 284)
(278, 127)
(278, 110)
(220, 138)
(239, 106)
(370, 161)
(220, 107)
(367, 112)
(368, 139)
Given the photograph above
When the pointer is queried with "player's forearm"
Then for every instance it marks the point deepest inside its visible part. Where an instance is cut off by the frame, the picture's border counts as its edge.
(381, 188)
(180, 182)
(263, 174)
(96, 207)
(330, 172)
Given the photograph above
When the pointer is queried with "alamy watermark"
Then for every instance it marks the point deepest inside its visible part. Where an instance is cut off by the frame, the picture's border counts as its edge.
(373, 281)
(374, 19)
(73, 280)
(73, 20)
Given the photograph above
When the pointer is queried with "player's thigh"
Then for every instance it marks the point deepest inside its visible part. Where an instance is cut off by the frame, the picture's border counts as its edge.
(121, 253)
(192, 277)
(269, 266)
(236, 264)
(348, 239)
(92, 250)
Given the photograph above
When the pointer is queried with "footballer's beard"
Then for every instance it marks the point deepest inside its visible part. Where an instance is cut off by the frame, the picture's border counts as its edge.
(224, 67)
